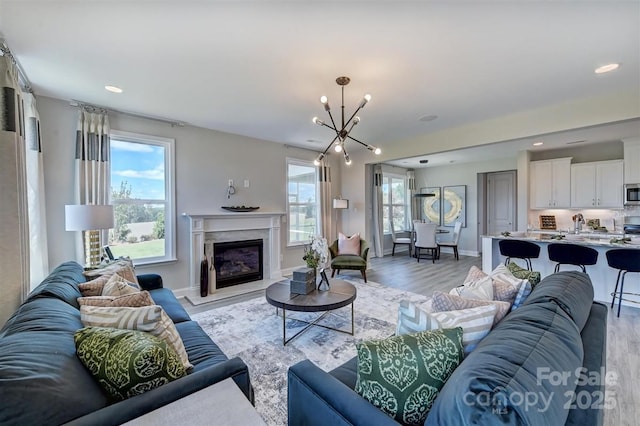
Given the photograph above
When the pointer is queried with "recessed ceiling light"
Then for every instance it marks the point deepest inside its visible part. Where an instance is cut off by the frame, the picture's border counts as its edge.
(428, 118)
(607, 68)
(538, 143)
(113, 89)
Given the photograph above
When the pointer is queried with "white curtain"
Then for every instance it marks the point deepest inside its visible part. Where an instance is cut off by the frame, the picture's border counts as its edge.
(92, 165)
(14, 223)
(39, 255)
(326, 222)
(378, 230)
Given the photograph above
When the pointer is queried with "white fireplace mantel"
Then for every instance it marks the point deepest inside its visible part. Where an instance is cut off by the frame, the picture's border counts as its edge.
(201, 224)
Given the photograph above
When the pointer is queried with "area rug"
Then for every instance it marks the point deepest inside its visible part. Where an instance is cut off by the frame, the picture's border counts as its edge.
(252, 331)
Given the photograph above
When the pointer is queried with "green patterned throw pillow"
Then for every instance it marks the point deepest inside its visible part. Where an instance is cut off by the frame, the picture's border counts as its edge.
(524, 274)
(402, 375)
(127, 362)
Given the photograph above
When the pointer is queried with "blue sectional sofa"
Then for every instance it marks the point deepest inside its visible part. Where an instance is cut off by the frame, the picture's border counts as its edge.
(43, 382)
(559, 330)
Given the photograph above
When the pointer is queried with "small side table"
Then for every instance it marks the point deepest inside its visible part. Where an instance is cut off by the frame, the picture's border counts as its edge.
(222, 403)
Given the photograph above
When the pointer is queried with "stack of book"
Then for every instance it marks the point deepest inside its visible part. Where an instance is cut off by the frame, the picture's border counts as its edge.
(304, 281)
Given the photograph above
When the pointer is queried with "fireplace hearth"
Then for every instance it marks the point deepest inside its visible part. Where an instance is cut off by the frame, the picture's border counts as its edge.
(238, 262)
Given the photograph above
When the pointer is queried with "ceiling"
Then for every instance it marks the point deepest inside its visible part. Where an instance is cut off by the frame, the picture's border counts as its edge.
(258, 68)
(601, 135)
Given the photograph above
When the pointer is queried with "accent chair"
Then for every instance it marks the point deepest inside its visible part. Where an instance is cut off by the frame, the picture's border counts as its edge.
(349, 261)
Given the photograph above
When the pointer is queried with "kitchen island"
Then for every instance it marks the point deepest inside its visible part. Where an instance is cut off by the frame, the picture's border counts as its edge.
(602, 276)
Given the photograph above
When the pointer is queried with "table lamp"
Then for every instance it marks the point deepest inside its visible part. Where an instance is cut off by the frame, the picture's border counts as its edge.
(90, 218)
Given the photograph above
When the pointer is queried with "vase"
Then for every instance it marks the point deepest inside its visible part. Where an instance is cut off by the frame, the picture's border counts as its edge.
(323, 285)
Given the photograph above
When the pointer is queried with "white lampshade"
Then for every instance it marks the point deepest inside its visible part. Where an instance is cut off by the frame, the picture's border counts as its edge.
(339, 203)
(88, 217)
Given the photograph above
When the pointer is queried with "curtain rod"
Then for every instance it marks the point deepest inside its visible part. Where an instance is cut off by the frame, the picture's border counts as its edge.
(4, 48)
(103, 109)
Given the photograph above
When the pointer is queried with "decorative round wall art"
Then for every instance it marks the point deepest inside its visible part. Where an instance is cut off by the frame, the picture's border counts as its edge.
(431, 206)
(454, 205)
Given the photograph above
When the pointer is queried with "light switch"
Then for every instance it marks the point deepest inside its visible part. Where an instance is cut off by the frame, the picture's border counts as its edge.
(246, 183)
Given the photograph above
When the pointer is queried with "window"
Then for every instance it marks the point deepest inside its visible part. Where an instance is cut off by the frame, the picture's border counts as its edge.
(394, 205)
(302, 201)
(142, 188)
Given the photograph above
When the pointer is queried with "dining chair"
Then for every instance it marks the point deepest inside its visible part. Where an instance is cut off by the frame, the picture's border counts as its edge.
(398, 240)
(453, 242)
(426, 240)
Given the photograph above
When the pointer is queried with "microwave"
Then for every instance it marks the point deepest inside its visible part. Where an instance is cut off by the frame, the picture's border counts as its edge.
(632, 194)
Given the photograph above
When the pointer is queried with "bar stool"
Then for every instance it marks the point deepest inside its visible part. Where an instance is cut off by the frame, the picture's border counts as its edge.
(520, 250)
(572, 254)
(625, 260)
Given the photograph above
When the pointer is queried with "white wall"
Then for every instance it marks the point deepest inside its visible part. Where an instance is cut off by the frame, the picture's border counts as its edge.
(205, 161)
(464, 174)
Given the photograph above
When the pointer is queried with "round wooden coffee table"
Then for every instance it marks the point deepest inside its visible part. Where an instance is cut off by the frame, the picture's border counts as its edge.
(340, 294)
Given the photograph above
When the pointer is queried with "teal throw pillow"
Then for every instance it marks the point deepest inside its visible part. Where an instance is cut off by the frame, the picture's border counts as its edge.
(402, 375)
(524, 274)
(127, 362)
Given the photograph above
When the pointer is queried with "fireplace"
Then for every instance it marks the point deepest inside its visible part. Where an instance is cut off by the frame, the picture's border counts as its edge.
(237, 262)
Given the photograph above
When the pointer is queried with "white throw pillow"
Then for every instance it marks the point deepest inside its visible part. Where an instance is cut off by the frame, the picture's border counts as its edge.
(349, 245)
(481, 288)
(503, 274)
(475, 322)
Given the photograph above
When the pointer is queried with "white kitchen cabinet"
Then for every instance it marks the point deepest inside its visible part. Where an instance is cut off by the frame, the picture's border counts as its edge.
(597, 184)
(550, 183)
(631, 160)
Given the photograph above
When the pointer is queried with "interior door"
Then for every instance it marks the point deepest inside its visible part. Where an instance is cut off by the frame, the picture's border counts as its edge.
(501, 202)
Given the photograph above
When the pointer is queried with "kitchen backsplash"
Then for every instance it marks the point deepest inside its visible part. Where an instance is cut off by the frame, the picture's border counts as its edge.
(613, 220)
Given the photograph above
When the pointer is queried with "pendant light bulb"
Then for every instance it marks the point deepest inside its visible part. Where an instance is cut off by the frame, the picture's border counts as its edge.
(377, 151)
(338, 147)
(347, 159)
(317, 121)
(323, 99)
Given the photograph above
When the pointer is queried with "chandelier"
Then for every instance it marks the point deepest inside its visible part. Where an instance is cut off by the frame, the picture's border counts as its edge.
(345, 129)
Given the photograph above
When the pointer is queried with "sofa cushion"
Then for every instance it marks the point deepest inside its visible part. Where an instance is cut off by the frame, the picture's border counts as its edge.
(127, 362)
(348, 245)
(504, 292)
(532, 276)
(43, 314)
(133, 300)
(486, 387)
(62, 283)
(118, 286)
(165, 298)
(150, 319)
(443, 302)
(402, 375)
(40, 375)
(475, 322)
(202, 351)
(571, 290)
(93, 287)
(123, 267)
(523, 292)
(477, 288)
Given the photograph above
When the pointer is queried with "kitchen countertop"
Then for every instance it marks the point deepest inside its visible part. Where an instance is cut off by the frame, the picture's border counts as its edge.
(585, 238)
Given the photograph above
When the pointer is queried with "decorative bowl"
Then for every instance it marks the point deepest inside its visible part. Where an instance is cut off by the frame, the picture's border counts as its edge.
(240, 208)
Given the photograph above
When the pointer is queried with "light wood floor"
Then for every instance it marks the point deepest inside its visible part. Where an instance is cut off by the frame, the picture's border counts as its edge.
(403, 272)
